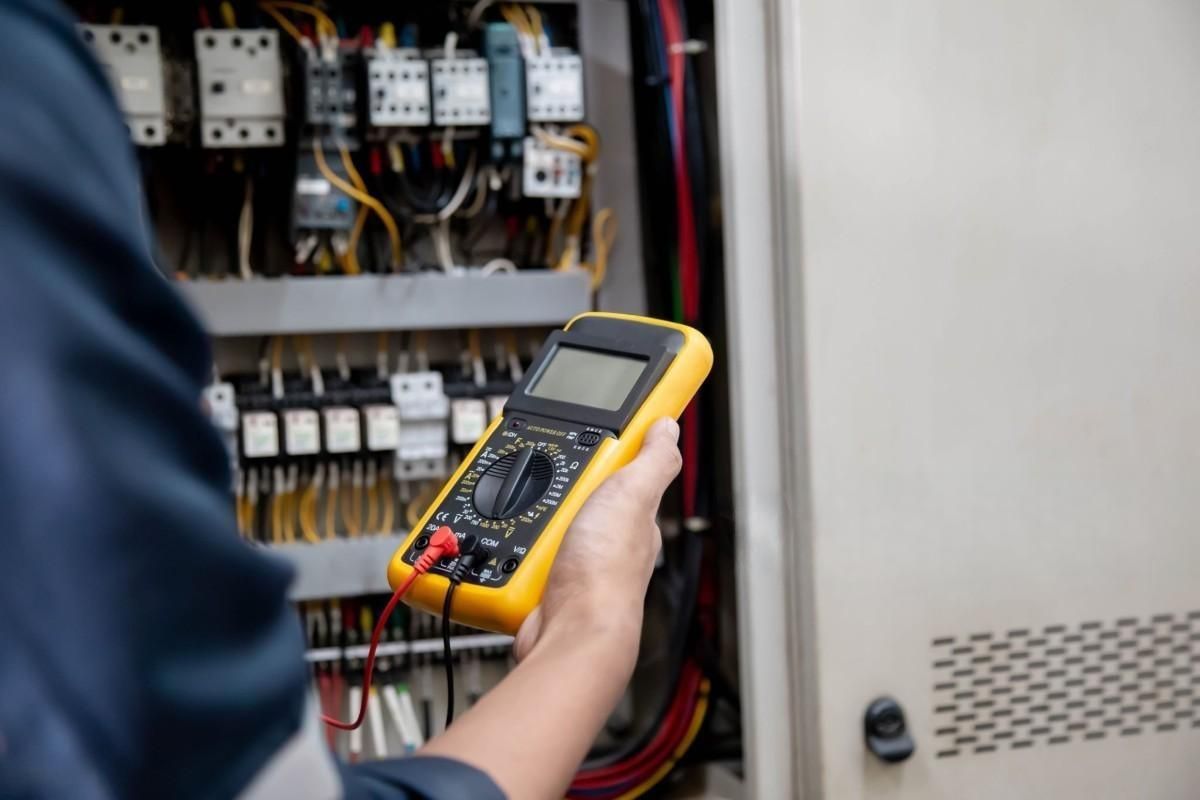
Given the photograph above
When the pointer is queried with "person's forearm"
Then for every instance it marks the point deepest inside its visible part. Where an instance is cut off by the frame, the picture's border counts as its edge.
(531, 732)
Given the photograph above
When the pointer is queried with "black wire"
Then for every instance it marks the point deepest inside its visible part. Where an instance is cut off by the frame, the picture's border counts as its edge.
(446, 653)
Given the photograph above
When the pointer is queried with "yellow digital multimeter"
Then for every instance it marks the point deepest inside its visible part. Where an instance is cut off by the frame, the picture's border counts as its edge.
(578, 415)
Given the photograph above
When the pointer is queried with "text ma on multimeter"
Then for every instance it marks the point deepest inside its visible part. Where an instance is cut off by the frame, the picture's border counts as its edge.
(578, 415)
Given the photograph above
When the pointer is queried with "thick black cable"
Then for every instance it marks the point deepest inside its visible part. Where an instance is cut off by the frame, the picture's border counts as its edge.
(447, 653)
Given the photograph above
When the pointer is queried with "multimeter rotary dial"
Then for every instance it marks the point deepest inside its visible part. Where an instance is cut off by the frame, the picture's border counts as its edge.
(513, 483)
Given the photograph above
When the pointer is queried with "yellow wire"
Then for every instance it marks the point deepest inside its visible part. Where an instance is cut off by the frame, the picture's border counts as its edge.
(118, 16)
(308, 513)
(348, 509)
(362, 197)
(289, 517)
(387, 34)
(325, 25)
(688, 737)
(535, 23)
(413, 511)
(516, 17)
(330, 512)
(360, 220)
(372, 525)
(389, 506)
(473, 344)
(227, 15)
(604, 235)
(284, 23)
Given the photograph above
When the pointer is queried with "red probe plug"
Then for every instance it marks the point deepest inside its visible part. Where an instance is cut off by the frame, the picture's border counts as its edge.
(443, 544)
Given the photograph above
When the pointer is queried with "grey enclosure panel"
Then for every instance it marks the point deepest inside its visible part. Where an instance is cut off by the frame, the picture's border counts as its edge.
(400, 302)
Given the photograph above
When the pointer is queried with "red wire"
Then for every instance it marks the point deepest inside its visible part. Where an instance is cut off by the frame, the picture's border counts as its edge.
(369, 667)
(689, 265)
(640, 766)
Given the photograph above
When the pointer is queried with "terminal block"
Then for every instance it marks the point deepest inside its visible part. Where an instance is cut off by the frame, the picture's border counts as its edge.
(132, 59)
(330, 89)
(241, 88)
(398, 89)
(461, 91)
(554, 88)
(548, 172)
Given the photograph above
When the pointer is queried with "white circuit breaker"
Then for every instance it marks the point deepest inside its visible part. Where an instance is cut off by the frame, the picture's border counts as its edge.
(554, 88)
(549, 172)
(461, 93)
(241, 88)
(383, 427)
(468, 419)
(343, 429)
(132, 58)
(424, 412)
(260, 434)
(301, 432)
(398, 89)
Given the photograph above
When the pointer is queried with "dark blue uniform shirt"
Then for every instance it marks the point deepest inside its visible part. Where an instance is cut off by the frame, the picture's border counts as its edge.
(145, 651)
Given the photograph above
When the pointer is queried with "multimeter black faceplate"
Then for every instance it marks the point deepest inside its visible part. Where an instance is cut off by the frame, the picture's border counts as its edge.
(545, 456)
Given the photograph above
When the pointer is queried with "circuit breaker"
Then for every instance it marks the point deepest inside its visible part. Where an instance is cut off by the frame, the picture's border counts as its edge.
(461, 91)
(424, 411)
(132, 58)
(549, 172)
(554, 88)
(241, 88)
(330, 89)
(316, 203)
(398, 89)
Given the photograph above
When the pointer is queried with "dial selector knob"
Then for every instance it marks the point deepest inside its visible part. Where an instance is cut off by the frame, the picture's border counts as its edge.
(513, 484)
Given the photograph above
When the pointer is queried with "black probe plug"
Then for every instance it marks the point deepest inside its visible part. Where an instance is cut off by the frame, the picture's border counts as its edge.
(471, 554)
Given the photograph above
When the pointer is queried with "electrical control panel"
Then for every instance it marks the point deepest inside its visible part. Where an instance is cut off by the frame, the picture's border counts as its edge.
(241, 88)
(398, 89)
(554, 88)
(461, 91)
(316, 203)
(549, 172)
(330, 89)
(132, 58)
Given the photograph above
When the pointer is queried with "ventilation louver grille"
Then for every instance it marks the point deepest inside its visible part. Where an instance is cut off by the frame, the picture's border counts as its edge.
(1059, 684)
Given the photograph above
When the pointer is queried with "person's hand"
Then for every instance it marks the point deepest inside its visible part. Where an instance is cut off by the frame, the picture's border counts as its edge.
(598, 582)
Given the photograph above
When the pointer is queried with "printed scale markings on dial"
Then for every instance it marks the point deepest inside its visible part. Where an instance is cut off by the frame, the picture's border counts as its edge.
(563, 471)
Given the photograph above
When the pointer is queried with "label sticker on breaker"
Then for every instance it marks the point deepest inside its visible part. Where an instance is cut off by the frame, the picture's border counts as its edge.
(468, 419)
(383, 427)
(260, 434)
(342, 430)
(301, 432)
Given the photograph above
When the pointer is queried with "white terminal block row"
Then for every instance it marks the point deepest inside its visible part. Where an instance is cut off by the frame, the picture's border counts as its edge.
(241, 87)
(132, 58)
(398, 89)
(554, 88)
(461, 91)
(549, 172)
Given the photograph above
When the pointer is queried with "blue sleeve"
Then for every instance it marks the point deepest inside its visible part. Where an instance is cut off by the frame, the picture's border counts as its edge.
(147, 651)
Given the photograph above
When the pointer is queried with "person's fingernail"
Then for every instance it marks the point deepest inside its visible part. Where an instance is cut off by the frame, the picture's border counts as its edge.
(672, 428)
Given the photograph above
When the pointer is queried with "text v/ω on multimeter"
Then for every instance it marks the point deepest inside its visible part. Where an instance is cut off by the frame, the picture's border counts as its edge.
(577, 416)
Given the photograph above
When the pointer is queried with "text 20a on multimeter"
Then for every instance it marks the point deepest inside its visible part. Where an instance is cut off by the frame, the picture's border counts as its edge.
(578, 415)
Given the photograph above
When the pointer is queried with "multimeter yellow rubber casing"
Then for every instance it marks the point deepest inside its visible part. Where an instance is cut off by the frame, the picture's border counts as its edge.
(577, 416)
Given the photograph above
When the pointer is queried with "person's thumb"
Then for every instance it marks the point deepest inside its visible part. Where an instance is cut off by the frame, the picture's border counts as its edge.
(656, 465)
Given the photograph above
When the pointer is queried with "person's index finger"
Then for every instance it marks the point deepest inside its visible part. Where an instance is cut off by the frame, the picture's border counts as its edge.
(656, 464)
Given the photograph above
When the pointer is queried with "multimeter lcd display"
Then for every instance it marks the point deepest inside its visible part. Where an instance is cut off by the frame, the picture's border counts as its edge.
(588, 378)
